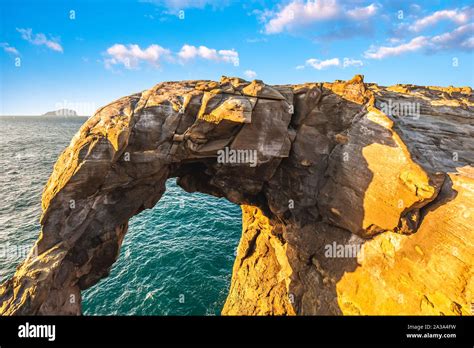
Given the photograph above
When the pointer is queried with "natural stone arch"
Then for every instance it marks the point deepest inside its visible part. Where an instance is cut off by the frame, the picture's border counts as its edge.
(301, 195)
(117, 165)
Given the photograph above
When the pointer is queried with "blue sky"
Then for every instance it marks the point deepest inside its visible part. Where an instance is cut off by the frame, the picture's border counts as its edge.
(82, 54)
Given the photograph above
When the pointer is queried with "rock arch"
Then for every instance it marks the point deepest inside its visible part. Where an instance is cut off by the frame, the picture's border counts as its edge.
(331, 169)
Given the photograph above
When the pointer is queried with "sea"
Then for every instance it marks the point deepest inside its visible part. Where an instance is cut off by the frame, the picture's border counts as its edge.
(176, 258)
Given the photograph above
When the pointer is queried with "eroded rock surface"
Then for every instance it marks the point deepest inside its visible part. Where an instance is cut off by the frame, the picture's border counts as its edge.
(358, 199)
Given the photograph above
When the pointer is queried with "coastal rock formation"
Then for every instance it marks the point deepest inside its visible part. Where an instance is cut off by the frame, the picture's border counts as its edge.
(356, 198)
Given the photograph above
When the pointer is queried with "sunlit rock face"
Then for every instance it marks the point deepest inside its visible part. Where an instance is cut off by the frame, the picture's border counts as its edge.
(356, 198)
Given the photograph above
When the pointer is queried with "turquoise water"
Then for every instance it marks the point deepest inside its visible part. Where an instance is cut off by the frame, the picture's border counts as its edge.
(176, 258)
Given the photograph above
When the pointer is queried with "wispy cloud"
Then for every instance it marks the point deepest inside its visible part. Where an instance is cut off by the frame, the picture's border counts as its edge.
(361, 13)
(458, 16)
(323, 64)
(9, 49)
(415, 44)
(131, 56)
(40, 39)
(299, 14)
(460, 38)
(189, 52)
(319, 64)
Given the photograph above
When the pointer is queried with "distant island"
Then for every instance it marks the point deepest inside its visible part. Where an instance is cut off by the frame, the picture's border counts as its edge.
(61, 113)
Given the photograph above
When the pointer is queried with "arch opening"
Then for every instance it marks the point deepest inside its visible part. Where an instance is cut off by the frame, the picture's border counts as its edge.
(176, 259)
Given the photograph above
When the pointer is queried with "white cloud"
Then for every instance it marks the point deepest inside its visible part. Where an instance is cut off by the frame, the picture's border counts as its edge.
(40, 39)
(323, 64)
(132, 55)
(468, 43)
(250, 74)
(394, 40)
(189, 52)
(298, 14)
(361, 13)
(457, 16)
(459, 38)
(9, 49)
(385, 51)
(229, 56)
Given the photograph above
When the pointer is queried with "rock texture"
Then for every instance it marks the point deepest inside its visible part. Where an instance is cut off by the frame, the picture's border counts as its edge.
(360, 200)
